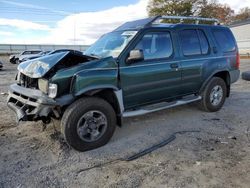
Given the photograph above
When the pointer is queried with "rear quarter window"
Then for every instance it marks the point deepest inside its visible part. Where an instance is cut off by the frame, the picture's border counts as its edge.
(224, 39)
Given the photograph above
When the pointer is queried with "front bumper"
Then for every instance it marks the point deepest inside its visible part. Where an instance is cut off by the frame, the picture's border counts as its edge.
(29, 104)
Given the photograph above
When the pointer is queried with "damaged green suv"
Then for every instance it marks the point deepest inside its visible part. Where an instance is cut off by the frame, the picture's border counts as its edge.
(141, 67)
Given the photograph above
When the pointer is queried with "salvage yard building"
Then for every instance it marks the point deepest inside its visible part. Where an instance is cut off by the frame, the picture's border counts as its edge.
(241, 31)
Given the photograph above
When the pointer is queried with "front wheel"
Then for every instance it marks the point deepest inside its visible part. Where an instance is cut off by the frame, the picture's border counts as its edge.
(88, 123)
(214, 95)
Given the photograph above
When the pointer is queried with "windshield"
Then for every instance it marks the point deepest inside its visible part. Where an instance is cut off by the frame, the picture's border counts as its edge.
(110, 44)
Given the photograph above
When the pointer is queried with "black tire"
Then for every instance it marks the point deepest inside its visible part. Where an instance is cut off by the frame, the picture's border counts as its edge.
(206, 103)
(73, 116)
(246, 75)
(13, 62)
(16, 61)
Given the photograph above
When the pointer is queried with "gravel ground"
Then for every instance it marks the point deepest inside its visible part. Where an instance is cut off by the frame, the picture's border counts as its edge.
(216, 156)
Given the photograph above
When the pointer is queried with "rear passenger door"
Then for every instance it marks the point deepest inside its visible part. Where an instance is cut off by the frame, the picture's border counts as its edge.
(195, 53)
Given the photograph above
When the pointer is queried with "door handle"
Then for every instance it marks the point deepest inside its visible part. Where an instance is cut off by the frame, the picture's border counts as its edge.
(174, 65)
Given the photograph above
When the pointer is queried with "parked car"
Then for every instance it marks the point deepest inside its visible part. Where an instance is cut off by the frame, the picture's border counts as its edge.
(64, 50)
(34, 56)
(25, 54)
(46, 53)
(12, 59)
(141, 67)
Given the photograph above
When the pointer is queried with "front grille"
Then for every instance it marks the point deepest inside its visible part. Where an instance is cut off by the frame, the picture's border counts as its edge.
(28, 82)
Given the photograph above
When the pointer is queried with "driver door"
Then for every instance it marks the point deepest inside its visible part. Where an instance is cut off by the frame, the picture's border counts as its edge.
(155, 78)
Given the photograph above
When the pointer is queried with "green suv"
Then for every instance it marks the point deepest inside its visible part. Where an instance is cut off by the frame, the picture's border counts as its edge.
(141, 67)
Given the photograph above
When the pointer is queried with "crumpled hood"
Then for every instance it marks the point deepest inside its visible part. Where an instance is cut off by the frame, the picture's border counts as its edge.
(37, 68)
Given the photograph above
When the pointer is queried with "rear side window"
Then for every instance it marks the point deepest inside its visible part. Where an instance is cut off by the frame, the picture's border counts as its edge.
(194, 42)
(225, 39)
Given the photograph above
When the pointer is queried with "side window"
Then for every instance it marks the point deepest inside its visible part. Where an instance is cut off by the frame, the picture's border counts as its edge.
(190, 42)
(156, 45)
(35, 52)
(26, 52)
(203, 42)
(224, 39)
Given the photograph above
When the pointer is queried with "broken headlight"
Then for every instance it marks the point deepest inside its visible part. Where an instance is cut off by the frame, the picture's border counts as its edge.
(43, 85)
(47, 88)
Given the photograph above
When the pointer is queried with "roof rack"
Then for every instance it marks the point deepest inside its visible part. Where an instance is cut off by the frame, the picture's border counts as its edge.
(147, 22)
(182, 18)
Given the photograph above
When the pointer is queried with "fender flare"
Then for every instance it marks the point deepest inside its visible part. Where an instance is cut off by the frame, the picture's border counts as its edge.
(95, 89)
(210, 77)
(117, 93)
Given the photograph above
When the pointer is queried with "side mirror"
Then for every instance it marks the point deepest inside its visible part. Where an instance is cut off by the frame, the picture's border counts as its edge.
(135, 56)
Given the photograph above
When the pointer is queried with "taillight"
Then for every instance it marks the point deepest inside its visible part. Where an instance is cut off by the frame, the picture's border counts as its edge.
(237, 65)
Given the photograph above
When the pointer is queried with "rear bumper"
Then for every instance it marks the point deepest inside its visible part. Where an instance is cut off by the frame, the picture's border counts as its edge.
(29, 104)
(234, 75)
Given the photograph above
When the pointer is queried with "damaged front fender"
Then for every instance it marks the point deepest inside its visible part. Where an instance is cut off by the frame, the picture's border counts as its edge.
(105, 76)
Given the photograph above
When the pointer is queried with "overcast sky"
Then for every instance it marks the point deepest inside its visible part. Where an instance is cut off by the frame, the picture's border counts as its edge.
(70, 22)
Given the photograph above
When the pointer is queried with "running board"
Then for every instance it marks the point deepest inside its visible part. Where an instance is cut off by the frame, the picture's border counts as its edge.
(160, 106)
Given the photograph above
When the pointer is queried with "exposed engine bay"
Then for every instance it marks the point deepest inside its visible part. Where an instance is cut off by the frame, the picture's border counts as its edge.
(47, 66)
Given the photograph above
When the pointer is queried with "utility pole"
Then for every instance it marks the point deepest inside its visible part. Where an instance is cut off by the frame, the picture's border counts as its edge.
(74, 29)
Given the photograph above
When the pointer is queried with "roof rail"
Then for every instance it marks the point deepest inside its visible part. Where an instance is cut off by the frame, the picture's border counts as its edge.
(147, 22)
(182, 18)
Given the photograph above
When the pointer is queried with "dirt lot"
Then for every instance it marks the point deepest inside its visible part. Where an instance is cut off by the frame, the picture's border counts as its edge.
(217, 156)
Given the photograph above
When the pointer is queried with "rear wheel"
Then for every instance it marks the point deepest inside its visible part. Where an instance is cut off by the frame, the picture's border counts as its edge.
(214, 95)
(88, 123)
